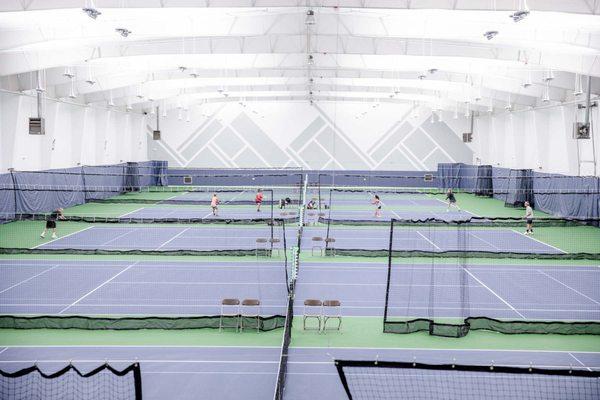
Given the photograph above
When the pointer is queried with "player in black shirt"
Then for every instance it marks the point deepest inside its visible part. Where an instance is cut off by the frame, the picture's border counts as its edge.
(51, 222)
(451, 200)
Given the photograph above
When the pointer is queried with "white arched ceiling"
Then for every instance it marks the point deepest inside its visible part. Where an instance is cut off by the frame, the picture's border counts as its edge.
(429, 51)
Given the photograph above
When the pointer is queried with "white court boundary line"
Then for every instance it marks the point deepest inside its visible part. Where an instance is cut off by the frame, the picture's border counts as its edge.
(579, 361)
(173, 238)
(564, 284)
(62, 237)
(131, 212)
(494, 293)
(97, 287)
(30, 278)
(539, 241)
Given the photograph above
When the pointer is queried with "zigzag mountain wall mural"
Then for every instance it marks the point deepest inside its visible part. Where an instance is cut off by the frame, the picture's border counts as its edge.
(295, 134)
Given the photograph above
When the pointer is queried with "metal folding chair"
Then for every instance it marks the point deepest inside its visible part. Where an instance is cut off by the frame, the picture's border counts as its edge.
(230, 308)
(250, 309)
(313, 309)
(332, 309)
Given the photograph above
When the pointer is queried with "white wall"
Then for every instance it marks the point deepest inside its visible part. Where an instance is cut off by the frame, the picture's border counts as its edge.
(538, 139)
(74, 134)
(328, 135)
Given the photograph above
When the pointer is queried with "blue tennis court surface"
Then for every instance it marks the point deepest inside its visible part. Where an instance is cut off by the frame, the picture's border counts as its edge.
(138, 288)
(203, 212)
(548, 292)
(432, 239)
(226, 238)
(190, 237)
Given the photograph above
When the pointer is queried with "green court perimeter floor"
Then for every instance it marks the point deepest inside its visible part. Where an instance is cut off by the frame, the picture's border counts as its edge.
(357, 332)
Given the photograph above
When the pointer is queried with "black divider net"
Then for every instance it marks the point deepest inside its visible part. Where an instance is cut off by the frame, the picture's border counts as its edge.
(370, 380)
(103, 382)
(448, 278)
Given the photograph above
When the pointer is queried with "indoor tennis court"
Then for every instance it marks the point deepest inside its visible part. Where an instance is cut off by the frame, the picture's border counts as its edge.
(292, 200)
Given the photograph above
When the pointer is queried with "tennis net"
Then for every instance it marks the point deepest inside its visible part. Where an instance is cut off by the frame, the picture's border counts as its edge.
(449, 278)
(287, 333)
(104, 382)
(370, 380)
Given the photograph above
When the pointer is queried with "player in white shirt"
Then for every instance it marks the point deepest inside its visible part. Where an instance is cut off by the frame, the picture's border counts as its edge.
(529, 218)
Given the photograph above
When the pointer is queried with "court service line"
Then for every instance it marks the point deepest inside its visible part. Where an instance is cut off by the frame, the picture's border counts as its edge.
(97, 287)
(30, 278)
(483, 240)
(424, 237)
(494, 293)
(62, 237)
(131, 212)
(539, 241)
(173, 238)
(564, 284)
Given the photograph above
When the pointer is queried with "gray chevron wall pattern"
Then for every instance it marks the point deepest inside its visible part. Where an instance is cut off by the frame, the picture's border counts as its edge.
(239, 137)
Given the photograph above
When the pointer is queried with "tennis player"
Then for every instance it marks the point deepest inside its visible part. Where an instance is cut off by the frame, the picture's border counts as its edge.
(451, 200)
(529, 218)
(284, 202)
(377, 203)
(51, 222)
(214, 204)
(258, 199)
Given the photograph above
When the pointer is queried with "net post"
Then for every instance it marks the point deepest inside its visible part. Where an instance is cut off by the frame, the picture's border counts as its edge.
(389, 273)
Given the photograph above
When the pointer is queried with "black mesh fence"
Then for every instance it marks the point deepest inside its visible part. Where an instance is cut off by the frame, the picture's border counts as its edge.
(69, 383)
(371, 380)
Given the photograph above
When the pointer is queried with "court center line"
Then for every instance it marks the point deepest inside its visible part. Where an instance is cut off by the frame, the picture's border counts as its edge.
(30, 278)
(494, 293)
(62, 237)
(564, 284)
(97, 287)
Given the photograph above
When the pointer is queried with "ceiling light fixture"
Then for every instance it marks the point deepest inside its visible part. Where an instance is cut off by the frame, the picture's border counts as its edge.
(432, 71)
(72, 94)
(546, 96)
(521, 13)
(527, 82)
(91, 11)
(68, 73)
(549, 75)
(310, 60)
(578, 86)
(182, 68)
(310, 18)
(123, 32)
(489, 35)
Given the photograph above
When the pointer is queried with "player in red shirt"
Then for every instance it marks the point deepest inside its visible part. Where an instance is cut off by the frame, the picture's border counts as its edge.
(258, 199)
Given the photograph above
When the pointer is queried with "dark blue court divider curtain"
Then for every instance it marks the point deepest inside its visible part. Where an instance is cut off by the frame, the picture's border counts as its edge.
(43, 191)
(103, 181)
(500, 182)
(132, 176)
(235, 177)
(449, 175)
(398, 179)
(484, 185)
(567, 196)
(7, 198)
(160, 170)
(468, 177)
(520, 188)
